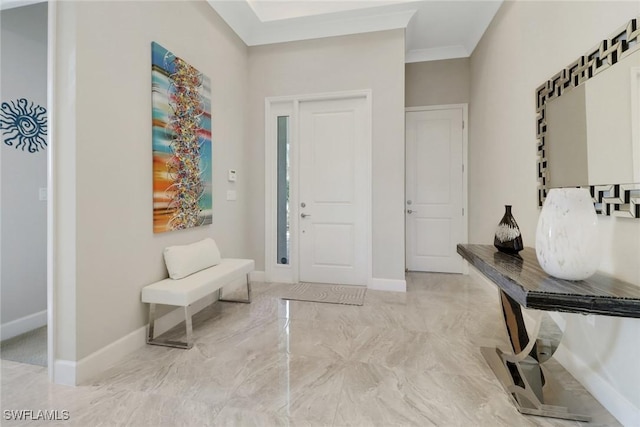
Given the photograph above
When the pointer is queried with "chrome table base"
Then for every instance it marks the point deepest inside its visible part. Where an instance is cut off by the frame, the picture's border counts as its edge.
(521, 374)
(526, 391)
(151, 340)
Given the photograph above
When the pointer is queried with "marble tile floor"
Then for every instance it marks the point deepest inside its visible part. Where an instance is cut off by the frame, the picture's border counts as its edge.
(402, 359)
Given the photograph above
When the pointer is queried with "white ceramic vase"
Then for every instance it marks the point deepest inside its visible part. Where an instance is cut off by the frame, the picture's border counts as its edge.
(567, 234)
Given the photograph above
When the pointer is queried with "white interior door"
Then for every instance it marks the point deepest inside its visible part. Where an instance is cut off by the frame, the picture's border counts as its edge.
(334, 182)
(434, 189)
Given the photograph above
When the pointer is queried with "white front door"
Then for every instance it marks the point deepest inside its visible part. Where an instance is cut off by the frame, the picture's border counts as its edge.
(334, 182)
(434, 189)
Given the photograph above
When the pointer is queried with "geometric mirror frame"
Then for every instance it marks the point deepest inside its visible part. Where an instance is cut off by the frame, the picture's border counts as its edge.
(620, 200)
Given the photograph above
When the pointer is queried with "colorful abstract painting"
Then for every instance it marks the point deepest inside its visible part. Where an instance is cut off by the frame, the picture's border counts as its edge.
(182, 196)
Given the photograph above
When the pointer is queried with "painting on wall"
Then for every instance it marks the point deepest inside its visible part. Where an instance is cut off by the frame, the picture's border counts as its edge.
(182, 196)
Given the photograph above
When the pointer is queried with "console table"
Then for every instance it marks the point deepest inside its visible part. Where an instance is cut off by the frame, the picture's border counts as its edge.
(523, 283)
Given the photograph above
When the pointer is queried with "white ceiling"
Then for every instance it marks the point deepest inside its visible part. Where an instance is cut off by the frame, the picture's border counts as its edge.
(434, 29)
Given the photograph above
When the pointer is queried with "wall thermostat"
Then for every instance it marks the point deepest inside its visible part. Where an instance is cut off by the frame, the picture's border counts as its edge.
(232, 175)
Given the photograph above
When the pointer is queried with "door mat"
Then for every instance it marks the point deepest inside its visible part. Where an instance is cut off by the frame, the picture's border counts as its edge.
(326, 293)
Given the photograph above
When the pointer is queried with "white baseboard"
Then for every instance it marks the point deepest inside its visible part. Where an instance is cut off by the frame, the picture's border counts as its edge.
(68, 372)
(258, 276)
(80, 372)
(22, 325)
(91, 366)
(605, 393)
(64, 372)
(393, 285)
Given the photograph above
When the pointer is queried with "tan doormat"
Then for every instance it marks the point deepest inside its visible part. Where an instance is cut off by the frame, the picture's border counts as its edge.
(326, 293)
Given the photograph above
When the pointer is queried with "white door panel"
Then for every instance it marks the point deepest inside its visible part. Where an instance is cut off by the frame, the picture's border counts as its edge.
(434, 187)
(333, 181)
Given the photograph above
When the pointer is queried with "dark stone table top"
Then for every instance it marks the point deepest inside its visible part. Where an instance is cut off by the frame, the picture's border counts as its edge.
(521, 277)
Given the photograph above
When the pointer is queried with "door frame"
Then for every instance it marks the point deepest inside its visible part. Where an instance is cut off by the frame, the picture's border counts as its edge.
(279, 105)
(52, 184)
(465, 163)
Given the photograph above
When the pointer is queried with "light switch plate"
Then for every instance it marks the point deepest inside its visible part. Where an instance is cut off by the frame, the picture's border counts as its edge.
(42, 193)
(232, 175)
(231, 195)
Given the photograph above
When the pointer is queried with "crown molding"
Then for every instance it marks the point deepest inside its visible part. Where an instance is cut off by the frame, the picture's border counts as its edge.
(437, 53)
(242, 18)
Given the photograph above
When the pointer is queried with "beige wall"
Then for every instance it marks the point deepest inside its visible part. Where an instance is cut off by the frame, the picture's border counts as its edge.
(104, 124)
(366, 61)
(437, 82)
(526, 44)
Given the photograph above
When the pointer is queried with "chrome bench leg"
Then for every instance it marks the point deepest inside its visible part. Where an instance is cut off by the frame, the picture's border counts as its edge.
(245, 301)
(170, 343)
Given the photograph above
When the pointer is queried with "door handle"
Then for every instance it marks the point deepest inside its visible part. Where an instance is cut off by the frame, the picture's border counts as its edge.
(409, 211)
(304, 215)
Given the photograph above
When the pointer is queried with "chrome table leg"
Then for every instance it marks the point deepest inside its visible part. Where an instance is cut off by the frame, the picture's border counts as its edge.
(521, 373)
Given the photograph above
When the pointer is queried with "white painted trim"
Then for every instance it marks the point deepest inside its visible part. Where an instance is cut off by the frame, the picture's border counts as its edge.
(436, 54)
(254, 32)
(465, 164)
(281, 274)
(97, 362)
(295, 193)
(605, 393)
(52, 9)
(291, 273)
(465, 180)
(24, 324)
(315, 27)
(92, 365)
(436, 107)
(347, 94)
(393, 285)
(65, 372)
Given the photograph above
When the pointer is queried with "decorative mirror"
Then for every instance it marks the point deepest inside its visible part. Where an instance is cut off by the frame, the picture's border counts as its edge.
(588, 125)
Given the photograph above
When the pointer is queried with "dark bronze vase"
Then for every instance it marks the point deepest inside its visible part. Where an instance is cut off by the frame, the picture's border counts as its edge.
(508, 238)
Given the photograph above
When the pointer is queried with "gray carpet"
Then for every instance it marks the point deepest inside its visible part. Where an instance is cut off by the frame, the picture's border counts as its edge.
(30, 347)
(331, 294)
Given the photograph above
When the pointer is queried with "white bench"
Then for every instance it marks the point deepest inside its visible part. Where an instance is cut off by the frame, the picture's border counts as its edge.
(184, 292)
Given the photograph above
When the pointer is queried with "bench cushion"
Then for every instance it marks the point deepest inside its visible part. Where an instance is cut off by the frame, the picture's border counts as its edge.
(198, 285)
(184, 260)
